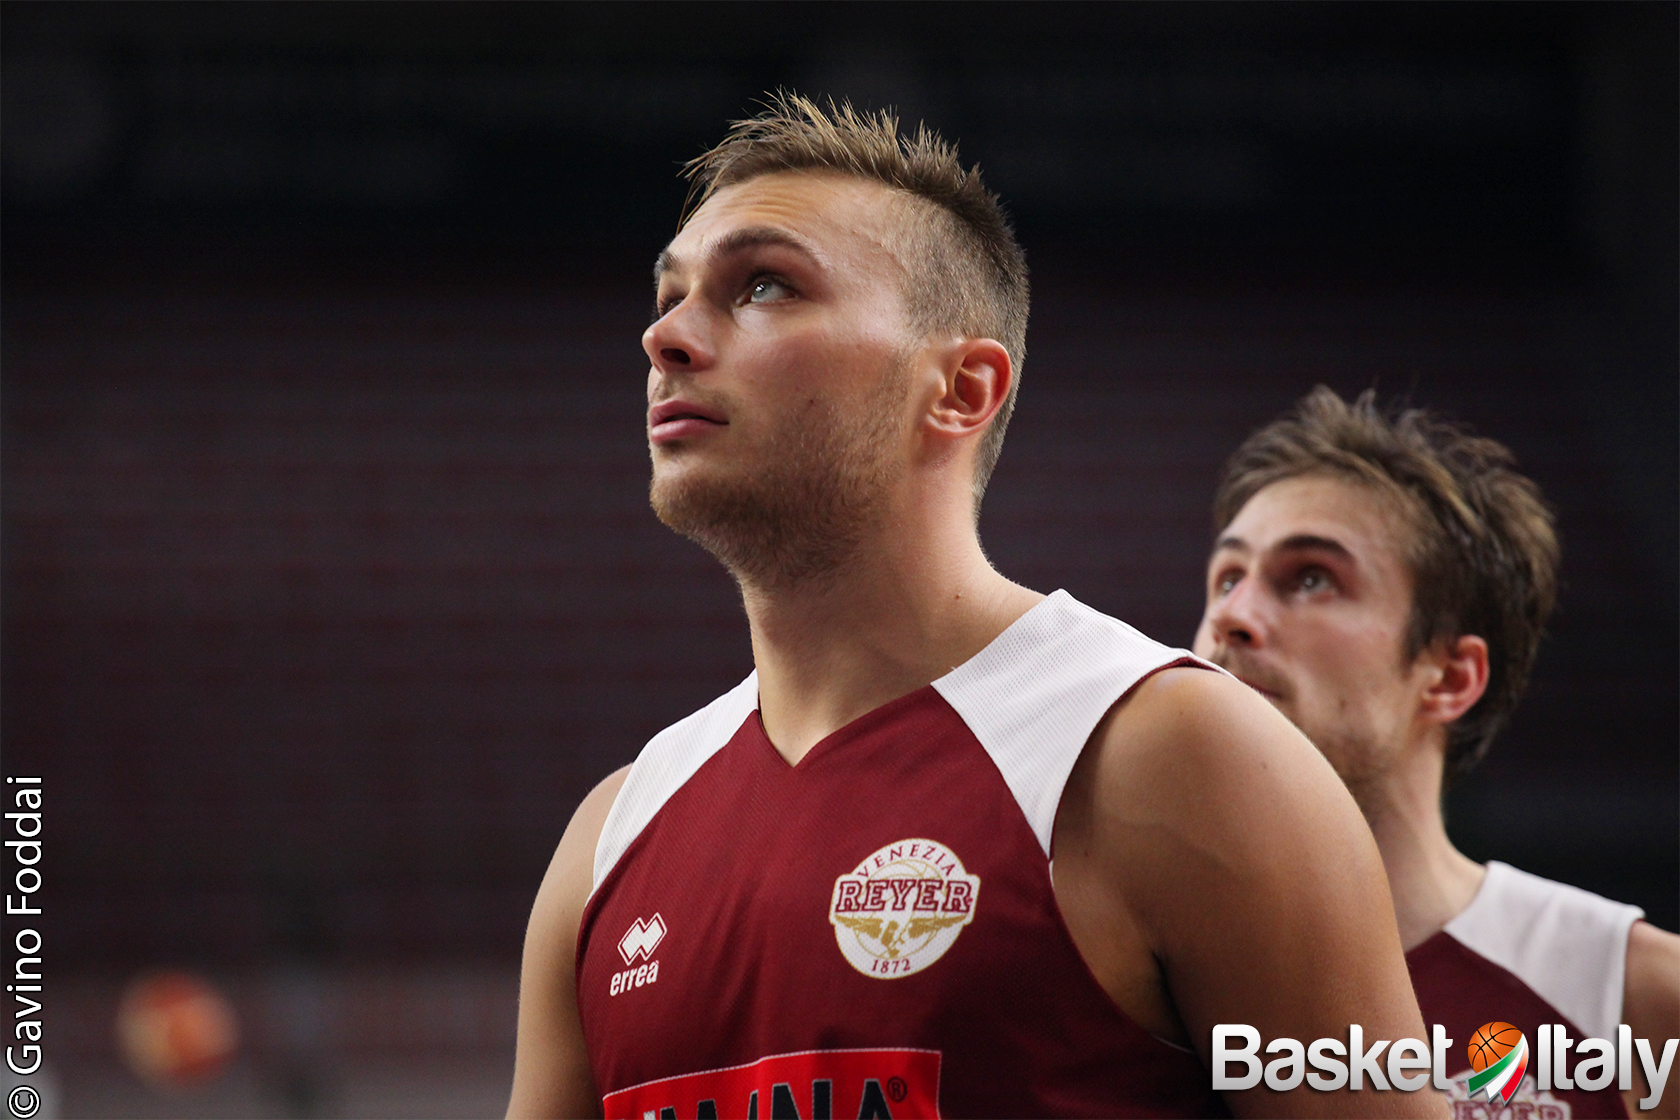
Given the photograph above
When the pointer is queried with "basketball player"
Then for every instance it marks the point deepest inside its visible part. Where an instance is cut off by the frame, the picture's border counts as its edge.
(829, 893)
(1383, 581)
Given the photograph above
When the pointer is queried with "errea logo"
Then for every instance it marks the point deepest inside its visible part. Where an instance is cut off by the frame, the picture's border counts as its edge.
(638, 944)
(640, 940)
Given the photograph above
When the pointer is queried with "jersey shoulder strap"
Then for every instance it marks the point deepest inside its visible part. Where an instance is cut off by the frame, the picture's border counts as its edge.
(1567, 944)
(670, 759)
(1031, 697)
(1035, 694)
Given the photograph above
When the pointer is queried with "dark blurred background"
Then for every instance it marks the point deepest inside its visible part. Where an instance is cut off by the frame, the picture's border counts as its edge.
(329, 581)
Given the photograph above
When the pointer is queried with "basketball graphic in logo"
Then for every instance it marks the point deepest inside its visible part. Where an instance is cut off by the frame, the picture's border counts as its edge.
(902, 908)
(1492, 1042)
(1499, 1057)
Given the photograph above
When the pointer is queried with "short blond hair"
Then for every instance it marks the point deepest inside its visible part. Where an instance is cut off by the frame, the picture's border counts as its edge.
(967, 271)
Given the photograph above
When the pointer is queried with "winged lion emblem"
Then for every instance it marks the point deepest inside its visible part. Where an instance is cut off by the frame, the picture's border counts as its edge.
(891, 934)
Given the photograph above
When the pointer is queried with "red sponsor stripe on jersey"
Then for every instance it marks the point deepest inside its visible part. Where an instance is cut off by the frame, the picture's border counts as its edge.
(812, 1084)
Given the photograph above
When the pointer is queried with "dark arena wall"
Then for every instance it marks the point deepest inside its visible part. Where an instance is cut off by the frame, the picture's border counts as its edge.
(330, 585)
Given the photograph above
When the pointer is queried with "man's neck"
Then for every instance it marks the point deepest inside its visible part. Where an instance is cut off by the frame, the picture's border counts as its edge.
(898, 615)
(1430, 881)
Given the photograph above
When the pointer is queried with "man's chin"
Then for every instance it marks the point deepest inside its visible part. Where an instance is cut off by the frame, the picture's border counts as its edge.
(743, 524)
(692, 505)
(1278, 699)
(1260, 683)
(772, 530)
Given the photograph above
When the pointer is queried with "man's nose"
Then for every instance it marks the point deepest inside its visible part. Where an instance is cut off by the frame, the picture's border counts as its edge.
(1236, 618)
(680, 339)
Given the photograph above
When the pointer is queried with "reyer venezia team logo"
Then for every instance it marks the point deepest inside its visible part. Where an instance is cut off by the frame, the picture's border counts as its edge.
(902, 908)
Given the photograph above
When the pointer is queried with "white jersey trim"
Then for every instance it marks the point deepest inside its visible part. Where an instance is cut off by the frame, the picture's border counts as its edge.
(1032, 698)
(1567, 944)
(1035, 694)
(670, 759)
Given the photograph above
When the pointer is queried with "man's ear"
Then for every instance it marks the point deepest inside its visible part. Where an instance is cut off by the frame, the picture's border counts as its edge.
(976, 378)
(1458, 679)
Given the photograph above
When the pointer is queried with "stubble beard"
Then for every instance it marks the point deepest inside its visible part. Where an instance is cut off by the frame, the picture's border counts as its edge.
(1363, 760)
(800, 514)
(1357, 753)
(1359, 762)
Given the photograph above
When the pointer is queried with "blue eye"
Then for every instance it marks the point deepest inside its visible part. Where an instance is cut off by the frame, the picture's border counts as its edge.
(1313, 579)
(767, 289)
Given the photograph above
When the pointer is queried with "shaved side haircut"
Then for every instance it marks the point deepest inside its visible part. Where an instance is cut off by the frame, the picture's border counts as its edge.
(967, 273)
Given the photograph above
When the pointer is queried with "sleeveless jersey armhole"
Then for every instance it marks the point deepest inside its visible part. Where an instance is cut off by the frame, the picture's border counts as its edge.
(1567, 944)
(669, 759)
(1033, 697)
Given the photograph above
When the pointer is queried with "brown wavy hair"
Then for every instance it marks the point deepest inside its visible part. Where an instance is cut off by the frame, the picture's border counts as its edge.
(1484, 547)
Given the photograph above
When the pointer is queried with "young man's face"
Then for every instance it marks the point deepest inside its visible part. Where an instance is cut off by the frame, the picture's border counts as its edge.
(778, 393)
(1308, 601)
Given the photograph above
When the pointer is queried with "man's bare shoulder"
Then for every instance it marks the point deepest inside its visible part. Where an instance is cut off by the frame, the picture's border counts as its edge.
(1653, 966)
(1189, 723)
(1201, 819)
(551, 1070)
(1196, 764)
(592, 811)
(571, 873)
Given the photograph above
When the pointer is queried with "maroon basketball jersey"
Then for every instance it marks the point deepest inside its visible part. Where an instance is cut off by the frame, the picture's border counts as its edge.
(1527, 951)
(872, 932)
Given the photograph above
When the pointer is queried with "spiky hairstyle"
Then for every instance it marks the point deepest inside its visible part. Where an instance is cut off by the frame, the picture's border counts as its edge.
(967, 273)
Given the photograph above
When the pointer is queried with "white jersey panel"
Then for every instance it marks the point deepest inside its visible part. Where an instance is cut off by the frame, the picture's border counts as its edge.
(670, 759)
(1567, 944)
(1035, 694)
(1032, 698)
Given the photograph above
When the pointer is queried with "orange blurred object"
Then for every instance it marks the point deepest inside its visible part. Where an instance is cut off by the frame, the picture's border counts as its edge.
(175, 1029)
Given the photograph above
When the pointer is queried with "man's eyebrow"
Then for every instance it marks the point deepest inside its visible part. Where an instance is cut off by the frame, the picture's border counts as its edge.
(1300, 542)
(662, 264)
(735, 241)
(1308, 542)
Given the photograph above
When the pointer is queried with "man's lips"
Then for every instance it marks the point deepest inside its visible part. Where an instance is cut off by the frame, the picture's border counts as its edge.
(1268, 693)
(1249, 678)
(678, 419)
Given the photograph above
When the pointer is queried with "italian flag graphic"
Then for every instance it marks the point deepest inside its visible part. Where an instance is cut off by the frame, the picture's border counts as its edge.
(1502, 1077)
